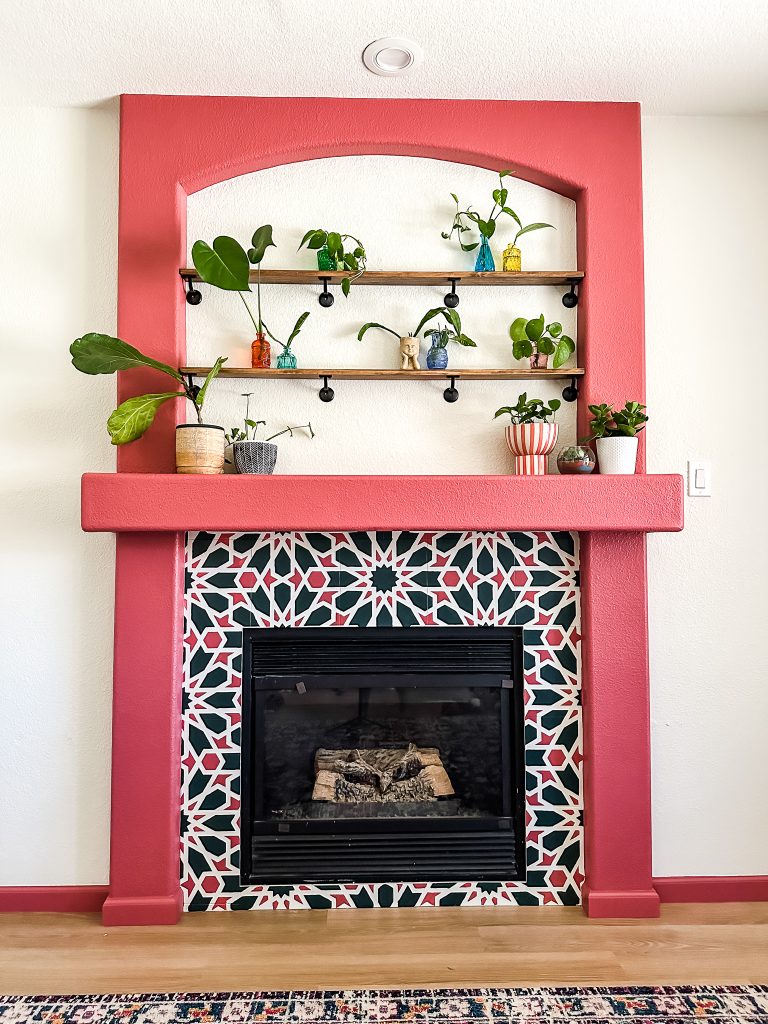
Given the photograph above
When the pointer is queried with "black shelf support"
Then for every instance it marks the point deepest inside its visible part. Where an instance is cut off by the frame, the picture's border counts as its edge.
(452, 299)
(571, 391)
(326, 394)
(194, 296)
(451, 393)
(571, 298)
(325, 299)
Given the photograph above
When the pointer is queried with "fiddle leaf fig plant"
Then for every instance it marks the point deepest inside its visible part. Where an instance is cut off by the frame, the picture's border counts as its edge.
(453, 330)
(528, 410)
(351, 259)
(626, 422)
(100, 353)
(530, 336)
(487, 226)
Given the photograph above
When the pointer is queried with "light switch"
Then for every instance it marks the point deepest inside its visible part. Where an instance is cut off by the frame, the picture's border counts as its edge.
(699, 479)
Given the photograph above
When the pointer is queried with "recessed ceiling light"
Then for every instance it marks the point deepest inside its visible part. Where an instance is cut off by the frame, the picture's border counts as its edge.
(391, 56)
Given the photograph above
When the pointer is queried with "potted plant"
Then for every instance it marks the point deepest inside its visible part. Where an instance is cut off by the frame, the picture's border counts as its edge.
(530, 436)
(287, 360)
(437, 357)
(250, 455)
(332, 253)
(487, 227)
(615, 435)
(226, 265)
(199, 446)
(532, 340)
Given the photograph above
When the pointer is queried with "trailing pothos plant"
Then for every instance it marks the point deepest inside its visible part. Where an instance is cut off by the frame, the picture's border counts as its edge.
(227, 265)
(353, 260)
(607, 422)
(529, 410)
(99, 353)
(530, 336)
(453, 330)
(487, 226)
(250, 427)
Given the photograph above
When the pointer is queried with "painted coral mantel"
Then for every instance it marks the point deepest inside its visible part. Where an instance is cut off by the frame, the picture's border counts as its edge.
(173, 146)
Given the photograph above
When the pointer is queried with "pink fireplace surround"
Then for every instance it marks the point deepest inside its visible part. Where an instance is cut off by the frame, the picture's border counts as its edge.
(173, 146)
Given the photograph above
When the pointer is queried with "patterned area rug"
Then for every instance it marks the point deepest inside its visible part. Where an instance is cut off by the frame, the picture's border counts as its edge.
(715, 1004)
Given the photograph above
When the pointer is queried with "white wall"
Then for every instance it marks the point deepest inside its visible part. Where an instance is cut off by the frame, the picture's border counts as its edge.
(705, 201)
(58, 176)
(706, 216)
(398, 208)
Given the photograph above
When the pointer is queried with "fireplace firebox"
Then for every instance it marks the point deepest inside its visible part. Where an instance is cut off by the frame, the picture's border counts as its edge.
(382, 754)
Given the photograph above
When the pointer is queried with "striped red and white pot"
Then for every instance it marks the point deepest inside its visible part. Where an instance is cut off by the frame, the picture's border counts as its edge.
(531, 443)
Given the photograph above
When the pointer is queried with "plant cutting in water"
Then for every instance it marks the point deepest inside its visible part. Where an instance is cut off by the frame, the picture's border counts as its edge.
(530, 338)
(287, 360)
(250, 427)
(452, 330)
(226, 265)
(487, 226)
(529, 410)
(99, 353)
(332, 249)
(626, 422)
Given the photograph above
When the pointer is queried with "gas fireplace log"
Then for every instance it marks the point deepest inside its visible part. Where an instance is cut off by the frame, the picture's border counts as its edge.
(380, 775)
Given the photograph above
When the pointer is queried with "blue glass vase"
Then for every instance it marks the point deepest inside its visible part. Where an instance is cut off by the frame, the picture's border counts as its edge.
(286, 360)
(484, 259)
(437, 357)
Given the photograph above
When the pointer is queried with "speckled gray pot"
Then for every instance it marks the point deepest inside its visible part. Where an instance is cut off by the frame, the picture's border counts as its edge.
(255, 457)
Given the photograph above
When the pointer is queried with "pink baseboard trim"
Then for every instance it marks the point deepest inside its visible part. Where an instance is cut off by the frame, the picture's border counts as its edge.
(713, 889)
(638, 903)
(53, 899)
(133, 910)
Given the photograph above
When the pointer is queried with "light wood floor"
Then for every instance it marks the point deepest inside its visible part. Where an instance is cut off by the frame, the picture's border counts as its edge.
(452, 947)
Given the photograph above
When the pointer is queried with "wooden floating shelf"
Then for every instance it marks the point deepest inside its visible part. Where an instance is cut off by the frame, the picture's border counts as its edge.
(411, 277)
(564, 373)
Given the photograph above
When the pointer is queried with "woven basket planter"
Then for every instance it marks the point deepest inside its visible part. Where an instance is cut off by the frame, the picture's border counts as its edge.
(254, 457)
(531, 443)
(199, 448)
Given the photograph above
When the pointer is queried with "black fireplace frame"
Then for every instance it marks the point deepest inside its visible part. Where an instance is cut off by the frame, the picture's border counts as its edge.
(341, 849)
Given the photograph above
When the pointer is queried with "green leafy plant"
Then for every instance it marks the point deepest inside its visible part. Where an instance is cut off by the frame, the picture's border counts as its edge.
(99, 353)
(487, 226)
(227, 265)
(286, 346)
(352, 260)
(626, 422)
(529, 336)
(452, 331)
(250, 427)
(528, 410)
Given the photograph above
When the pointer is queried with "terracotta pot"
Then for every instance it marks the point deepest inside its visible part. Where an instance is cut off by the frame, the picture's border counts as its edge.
(199, 448)
(531, 443)
(617, 456)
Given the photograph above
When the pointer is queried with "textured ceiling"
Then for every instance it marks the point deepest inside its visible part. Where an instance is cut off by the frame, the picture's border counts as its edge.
(675, 56)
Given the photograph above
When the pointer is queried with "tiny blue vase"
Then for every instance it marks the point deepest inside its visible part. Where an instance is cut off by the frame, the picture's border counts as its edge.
(286, 360)
(484, 259)
(437, 357)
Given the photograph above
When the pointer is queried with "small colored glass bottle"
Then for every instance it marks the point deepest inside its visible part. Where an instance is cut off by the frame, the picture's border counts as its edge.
(261, 353)
(286, 360)
(511, 258)
(324, 259)
(484, 259)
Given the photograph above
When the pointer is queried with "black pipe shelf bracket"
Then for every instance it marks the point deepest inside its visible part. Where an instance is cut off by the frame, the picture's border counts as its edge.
(571, 391)
(325, 298)
(193, 296)
(326, 393)
(452, 299)
(571, 298)
(451, 393)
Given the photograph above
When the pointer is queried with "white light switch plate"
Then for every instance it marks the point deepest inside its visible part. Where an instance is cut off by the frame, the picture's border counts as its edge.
(699, 479)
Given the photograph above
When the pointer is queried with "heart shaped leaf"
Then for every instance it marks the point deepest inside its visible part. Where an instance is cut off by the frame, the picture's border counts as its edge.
(224, 264)
(261, 241)
(565, 348)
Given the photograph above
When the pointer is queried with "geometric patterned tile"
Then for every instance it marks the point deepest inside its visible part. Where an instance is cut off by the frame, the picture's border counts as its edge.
(387, 579)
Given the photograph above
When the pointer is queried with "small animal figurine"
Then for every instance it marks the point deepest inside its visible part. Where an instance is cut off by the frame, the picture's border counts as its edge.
(409, 353)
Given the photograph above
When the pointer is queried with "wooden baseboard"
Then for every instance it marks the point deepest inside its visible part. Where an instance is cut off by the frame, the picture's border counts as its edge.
(53, 899)
(712, 889)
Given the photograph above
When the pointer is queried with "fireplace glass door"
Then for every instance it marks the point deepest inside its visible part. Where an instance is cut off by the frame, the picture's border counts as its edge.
(382, 754)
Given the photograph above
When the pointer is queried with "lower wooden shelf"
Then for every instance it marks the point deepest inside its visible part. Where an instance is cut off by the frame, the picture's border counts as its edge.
(564, 373)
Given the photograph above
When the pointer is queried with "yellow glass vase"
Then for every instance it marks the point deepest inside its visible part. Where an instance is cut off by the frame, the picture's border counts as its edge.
(510, 259)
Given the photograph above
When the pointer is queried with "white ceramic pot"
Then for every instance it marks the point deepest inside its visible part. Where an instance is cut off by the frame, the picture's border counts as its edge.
(531, 443)
(617, 456)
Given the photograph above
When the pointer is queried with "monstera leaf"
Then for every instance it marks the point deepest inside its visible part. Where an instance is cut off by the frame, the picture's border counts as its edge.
(132, 417)
(261, 241)
(224, 264)
(99, 353)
